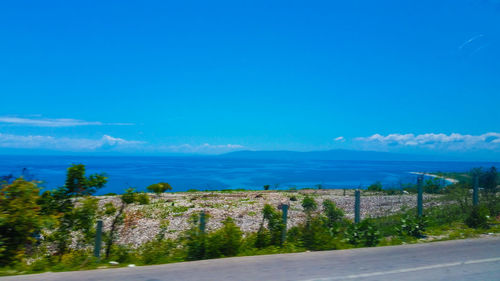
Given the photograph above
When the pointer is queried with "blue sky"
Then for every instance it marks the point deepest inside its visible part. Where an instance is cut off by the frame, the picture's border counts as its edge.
(142, 77)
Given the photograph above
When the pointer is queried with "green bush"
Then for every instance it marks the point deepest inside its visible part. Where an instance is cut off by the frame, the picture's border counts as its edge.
(364, 233)
(412, 226)
(478, 217)
(377, 186)
(333, 214)
(121, 254)
(275, 224)
(20, 218)
(158, 251)
(316, 235)
(225, 242)
(309, 205)
(159, 187)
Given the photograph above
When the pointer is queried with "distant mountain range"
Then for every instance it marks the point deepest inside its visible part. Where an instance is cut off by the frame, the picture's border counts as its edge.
(336, 154)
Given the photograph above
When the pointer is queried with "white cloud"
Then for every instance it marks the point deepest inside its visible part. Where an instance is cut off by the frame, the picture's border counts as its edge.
(106, 143)
(339, 139)
(47, 122)
(454, 141)
(64, 144)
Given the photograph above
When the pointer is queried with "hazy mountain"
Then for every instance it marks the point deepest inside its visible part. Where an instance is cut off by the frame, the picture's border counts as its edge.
(336, 154)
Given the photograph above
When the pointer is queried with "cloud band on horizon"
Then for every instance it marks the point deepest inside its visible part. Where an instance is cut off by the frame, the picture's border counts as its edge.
(440, 141)
(57, 122)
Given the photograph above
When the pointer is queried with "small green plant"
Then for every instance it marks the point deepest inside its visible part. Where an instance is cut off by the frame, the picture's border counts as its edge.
(412, 226)
(377, 186)
(333, 214)
(309, 205)
(364, 233)
(478, 217)
(159, 187)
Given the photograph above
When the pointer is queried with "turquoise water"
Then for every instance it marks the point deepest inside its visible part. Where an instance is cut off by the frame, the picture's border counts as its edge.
(211, 173)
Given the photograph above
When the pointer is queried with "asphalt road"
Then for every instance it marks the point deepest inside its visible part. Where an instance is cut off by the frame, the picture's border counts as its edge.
(472, 259)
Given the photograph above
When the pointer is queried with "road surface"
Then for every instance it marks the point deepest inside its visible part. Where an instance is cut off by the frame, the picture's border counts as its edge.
(471, 259)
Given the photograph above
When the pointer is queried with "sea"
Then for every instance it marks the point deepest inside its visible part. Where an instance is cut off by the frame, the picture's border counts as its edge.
(218, 173)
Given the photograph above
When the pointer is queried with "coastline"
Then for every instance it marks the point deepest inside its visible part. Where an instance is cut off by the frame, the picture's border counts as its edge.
(449, 180)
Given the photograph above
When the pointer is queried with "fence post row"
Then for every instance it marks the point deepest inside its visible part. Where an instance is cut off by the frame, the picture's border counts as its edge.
(98, 234)
(357, 203)
(420, 180)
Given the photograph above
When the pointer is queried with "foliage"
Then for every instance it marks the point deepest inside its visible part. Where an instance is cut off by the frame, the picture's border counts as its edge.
(20, 218)
(195, 240)
(266, 187)
(131, 196)
(77, 184)
(84, 217)
(316, 235)
(478, 217)
(333, 214)
(309, 205)
(158, 251)
(432, 186)
(68, 212)
(377, 186)
(412, 226)
(159, 187)
(225, 242)
(275, 224)
(364, 233)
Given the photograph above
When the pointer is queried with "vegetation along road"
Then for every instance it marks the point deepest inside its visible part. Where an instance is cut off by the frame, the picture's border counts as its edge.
(470, 259)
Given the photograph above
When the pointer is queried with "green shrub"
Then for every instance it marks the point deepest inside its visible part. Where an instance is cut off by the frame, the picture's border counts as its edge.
(377, 186)
(121, 254)
(309, 205)
(195, 240)
(20, 218)
(275, 224)
(478, 217)
(262, 237)
(412, 226)
(364, 233)
(333, 214)
(225, 242)
(157, 251)
(159, 187)
(142, 198)
(316, 235)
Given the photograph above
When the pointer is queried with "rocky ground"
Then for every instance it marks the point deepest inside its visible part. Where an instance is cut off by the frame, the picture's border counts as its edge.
(171, 211)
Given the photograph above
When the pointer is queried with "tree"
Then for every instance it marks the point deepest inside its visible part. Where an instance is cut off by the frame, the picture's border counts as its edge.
(266, 187)
(19, 218)
(60, 203)
(77, 184)
(159, 187)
